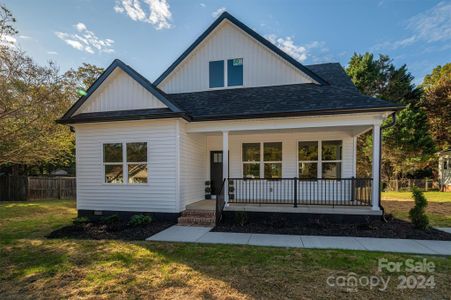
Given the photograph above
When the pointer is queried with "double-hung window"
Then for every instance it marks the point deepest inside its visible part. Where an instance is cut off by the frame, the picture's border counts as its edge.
(251, 160)
(272, 157)
(113, 163)
(320, 159)
(125, 162)
(331, 159)
(262, 160)
(137, 162)
(308, 159)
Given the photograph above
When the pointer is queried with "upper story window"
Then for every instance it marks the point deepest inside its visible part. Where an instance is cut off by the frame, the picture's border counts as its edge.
(235, 72)
(217, 73)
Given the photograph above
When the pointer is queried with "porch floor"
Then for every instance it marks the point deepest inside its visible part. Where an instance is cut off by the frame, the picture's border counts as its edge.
(286, 208)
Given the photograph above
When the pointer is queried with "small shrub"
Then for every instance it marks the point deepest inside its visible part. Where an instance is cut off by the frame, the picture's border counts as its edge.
(417, 214)
(139, 220)
(109, 219)
(241, 218)
(80, 220)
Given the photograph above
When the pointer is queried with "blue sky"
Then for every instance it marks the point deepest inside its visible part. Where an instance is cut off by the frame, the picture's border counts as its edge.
(150, 34)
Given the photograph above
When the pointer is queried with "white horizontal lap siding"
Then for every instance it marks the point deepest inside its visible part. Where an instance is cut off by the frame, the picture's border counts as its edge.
(158, 195)
(120, 92)
(261, 67)
(337, 191)
(193, 162)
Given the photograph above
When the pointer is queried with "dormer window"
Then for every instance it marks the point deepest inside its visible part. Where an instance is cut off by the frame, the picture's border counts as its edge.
(235, 72)
(217, 73)
(216, 69)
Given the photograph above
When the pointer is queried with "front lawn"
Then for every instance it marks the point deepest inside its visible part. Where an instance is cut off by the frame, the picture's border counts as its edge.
(407, 196)
(438, 210)
(35, 267)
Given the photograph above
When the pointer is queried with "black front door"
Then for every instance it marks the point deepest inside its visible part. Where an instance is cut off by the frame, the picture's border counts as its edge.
(216, 171)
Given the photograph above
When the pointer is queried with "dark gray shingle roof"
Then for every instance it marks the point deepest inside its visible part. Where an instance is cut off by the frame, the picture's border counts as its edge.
(337, 96)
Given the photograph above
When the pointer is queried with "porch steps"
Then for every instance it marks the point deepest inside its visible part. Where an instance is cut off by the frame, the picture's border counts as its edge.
(197, 217)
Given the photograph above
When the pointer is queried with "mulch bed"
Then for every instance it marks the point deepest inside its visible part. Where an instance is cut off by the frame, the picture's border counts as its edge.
(116, 231)
(393, 228)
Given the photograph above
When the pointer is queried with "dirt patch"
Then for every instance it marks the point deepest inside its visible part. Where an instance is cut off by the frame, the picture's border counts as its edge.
(437, 208)
(117, 231)
(393, 228)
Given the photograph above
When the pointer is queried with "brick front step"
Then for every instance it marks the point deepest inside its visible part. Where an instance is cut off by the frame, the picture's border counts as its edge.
(198, 213)
(197, 217)
(188, 221)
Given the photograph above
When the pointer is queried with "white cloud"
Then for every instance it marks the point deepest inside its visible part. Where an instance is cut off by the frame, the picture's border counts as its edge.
(157, 13)
(52, 52)
(203, 4)
(433, 25)
(24, 37)
(80, 27)
(85, 40)
(315, 51)
(218, 12)
(287, 44)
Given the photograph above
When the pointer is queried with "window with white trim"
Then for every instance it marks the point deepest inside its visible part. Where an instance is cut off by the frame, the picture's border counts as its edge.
(320, 159)
(125, 162)
(331, 153)
(308, 159)
(262, 160)
(251, 160)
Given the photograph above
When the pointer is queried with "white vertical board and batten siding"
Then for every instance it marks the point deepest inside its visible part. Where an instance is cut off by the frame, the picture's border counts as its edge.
(120, 92)
(261, 66)
(158, 195)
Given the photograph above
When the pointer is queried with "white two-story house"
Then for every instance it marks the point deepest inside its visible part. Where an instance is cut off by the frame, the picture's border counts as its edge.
(233, 120)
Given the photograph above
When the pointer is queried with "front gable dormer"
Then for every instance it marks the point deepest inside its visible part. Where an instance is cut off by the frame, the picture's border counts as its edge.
(229, 55)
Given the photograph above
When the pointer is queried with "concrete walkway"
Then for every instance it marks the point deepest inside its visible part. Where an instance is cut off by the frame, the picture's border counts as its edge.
(203, 235)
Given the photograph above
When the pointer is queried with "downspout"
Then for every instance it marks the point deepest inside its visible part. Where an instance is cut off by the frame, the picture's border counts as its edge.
(393, 115)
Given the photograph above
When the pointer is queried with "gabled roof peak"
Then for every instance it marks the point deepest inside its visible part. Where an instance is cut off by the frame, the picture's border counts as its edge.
(227, 16)
(117, 63)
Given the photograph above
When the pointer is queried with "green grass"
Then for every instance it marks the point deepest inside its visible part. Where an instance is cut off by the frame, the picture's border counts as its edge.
(34, 267)
(407, 196)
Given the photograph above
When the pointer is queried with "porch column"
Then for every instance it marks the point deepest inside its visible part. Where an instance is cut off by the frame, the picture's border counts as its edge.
(376, 166)
(225, 164)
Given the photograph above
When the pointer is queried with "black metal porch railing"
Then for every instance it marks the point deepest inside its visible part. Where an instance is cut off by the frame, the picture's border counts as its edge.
(297, 191)
(220, 203)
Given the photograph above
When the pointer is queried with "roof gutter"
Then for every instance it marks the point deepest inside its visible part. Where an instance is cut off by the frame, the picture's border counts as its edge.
(295, 113)
(392, 123)
(123, 118)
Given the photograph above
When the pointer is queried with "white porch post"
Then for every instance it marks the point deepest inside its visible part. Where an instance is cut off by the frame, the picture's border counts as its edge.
(376, 166)
(225, 164)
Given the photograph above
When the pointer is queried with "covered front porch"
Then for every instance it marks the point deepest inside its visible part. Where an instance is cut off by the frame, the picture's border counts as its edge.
(289, 165)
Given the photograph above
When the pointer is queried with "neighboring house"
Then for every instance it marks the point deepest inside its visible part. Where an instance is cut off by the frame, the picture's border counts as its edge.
(444, 170)
(290, 132)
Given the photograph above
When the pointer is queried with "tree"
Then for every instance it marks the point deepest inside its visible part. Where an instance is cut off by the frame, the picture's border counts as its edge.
(32, 97)
(408, 145)
(436, 101)
(78, 81)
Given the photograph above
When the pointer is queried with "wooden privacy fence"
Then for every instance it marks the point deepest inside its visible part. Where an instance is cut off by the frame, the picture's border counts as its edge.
(405, 184)
(21, 188)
